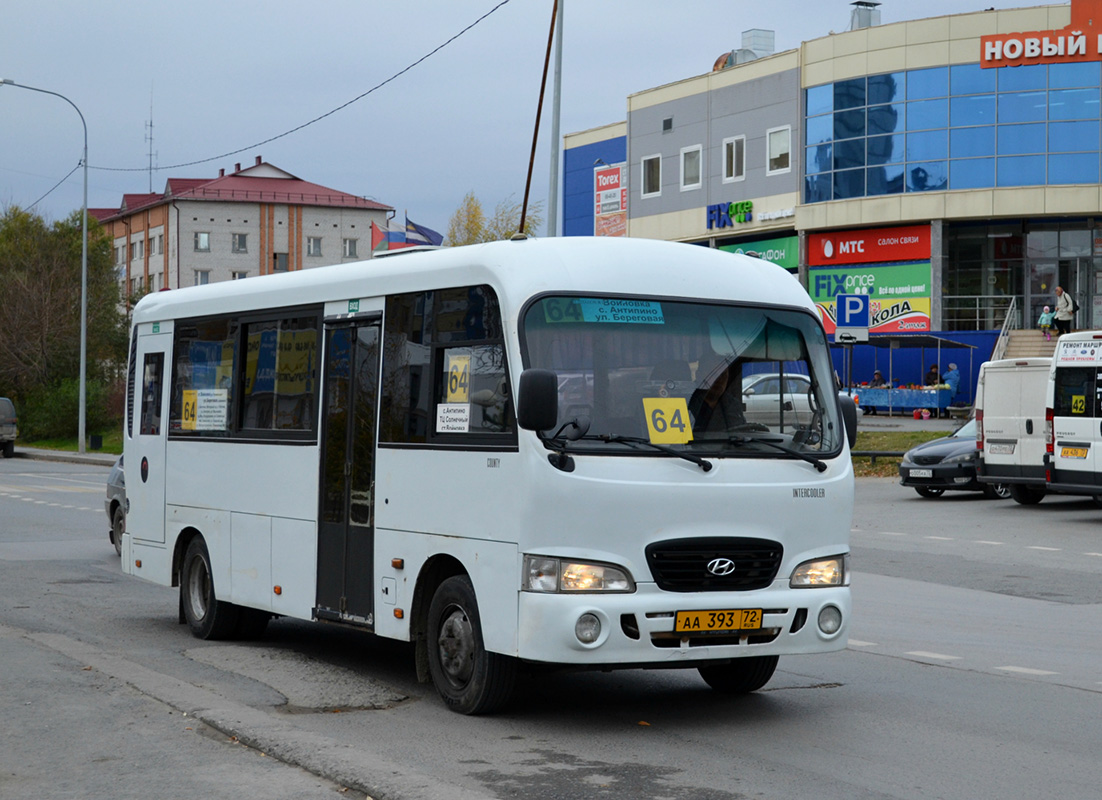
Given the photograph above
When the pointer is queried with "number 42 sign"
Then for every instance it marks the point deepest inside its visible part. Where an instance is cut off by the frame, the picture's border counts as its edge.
(668, 420)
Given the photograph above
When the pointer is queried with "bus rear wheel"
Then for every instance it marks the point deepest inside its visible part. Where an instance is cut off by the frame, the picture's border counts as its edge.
(206, 615)
(740, 676)
(1026, 495)
(469, 679)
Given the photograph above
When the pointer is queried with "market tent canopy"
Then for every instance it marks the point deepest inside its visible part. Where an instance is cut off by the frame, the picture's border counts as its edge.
(908, 341)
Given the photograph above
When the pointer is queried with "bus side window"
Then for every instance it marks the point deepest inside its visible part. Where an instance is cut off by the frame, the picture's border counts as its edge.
(152, 381)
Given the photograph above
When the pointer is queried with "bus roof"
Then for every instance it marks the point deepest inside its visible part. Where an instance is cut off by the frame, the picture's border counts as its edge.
(517, 269)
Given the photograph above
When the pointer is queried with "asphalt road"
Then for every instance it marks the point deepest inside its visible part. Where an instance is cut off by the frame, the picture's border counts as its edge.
(972, 672)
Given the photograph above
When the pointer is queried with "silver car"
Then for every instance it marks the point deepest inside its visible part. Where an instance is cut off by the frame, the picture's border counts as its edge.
(115, 505)
(8, 430)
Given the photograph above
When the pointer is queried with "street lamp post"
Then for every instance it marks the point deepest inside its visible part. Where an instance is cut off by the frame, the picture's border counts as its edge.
(83, 264)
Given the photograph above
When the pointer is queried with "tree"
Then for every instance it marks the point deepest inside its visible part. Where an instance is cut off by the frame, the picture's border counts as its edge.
(40, 277)
(469, 225)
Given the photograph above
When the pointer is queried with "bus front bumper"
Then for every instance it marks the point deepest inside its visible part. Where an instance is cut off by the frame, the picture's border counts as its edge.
(638, 628)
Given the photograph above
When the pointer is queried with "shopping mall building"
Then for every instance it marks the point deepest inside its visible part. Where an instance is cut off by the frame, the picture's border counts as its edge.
(946, 167)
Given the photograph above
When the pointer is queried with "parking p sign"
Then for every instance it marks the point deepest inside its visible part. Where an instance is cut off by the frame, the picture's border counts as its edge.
(853, 318)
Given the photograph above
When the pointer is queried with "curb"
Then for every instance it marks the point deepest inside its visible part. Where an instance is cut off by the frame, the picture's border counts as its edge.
(91, 459)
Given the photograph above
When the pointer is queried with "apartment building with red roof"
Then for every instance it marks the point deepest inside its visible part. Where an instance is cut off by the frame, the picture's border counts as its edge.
(253, 221)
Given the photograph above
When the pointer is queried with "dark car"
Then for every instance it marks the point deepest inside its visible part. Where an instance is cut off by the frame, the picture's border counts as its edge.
(947, 464)
(115, 505)
(8, 430)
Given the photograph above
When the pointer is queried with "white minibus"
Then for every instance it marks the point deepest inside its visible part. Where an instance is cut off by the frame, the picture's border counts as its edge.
(1074, 460)
(516, 455)
(1011, 430)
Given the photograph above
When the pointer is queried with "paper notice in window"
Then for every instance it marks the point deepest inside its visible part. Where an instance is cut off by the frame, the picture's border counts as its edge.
(453, 418)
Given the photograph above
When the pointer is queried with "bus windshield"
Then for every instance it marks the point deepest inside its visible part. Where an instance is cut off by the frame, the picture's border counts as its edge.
(717, 380)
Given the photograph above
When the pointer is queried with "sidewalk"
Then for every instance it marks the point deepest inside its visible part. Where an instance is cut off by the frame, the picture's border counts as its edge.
(93, 458)
(907, 422)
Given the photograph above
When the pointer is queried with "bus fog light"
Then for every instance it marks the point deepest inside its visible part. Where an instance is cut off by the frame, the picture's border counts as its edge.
(587, 628)
(830, 620)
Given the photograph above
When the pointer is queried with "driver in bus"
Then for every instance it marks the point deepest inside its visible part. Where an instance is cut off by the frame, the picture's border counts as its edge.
(718, 408)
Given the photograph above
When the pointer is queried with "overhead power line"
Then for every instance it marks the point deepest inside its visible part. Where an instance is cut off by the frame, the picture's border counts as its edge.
(330, 113)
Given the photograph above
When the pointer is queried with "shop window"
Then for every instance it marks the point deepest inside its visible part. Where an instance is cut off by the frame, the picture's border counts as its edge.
(886, 88)
(1023, 106)
(971, 143)
(1021, 171)
(849, 94)
(972, 173)
(1020, 79)
(819, 99)
(929, 176)
(849, 183)
(887, 118)
(1068, 168)
(885, 180)
(925, 83)
(926, 114)
(1066, 137)
(651, 176)
(974, 110)
(819, 129)
(690, 168)
(849, 154)
(885, 149)
(1073, 104)
(1021, 139)
(1063, 76)
(818, 159)
(779, 147)
(928, 146)
(848, 124)
(971, 79)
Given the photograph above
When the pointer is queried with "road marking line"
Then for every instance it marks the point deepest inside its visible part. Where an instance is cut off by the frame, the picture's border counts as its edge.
(859, 643)
(1099, 555)
(889, 533)
(938, 656)
(1027, 671)
(1048, 549)
(984, 541)
(941, 538)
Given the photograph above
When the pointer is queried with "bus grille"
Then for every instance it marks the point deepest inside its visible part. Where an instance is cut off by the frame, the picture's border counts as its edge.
(681, 565)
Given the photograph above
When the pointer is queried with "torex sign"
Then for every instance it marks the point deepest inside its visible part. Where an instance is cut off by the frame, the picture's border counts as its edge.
(908, 243)
(1080, 41)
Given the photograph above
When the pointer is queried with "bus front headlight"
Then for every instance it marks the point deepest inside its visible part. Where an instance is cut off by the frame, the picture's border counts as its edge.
(543, 574)
(833, 571)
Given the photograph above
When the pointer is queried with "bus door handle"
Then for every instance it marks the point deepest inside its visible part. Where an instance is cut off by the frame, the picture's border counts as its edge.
(1029, 426)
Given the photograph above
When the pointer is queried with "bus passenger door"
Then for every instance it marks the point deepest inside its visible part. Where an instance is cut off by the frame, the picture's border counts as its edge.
(145, 470)
(346, 522)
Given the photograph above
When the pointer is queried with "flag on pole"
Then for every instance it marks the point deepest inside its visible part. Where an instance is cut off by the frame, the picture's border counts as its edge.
(379, 242)
(419, 234)
(395, 234)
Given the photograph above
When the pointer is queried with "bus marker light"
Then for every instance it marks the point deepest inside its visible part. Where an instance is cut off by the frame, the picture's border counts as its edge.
(398, 563)
(278, 589)
(399, 613)
(138, 563)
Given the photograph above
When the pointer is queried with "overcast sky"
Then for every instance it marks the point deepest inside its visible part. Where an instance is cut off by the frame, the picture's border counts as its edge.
(224, 75)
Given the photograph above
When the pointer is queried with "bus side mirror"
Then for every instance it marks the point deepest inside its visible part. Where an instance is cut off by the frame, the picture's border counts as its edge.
(849, 416)
(538, 401)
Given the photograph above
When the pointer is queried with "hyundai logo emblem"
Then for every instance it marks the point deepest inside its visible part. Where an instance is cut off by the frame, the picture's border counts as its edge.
(721, 567)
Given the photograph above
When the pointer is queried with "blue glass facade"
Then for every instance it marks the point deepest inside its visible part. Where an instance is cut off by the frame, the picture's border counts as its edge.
(958, 127)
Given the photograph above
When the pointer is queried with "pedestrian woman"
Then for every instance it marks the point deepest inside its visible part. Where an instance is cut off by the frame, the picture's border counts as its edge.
(1064, 311)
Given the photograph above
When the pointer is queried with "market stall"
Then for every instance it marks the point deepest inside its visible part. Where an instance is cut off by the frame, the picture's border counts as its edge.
(909, 396)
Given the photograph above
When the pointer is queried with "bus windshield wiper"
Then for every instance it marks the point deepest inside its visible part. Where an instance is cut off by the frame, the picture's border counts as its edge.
(810, 459)
(638, 440)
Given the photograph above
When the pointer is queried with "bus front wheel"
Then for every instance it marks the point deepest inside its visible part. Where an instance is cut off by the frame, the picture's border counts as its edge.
(740, 676)
(469, 679)
(206, 615)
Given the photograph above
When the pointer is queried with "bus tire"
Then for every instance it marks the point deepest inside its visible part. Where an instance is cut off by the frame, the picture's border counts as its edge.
(740, 676)
(207, 616)
(469, 679)
(1026, 495)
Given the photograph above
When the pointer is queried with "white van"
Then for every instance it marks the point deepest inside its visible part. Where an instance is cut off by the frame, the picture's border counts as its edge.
(1075, 412)
(1010, 425)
